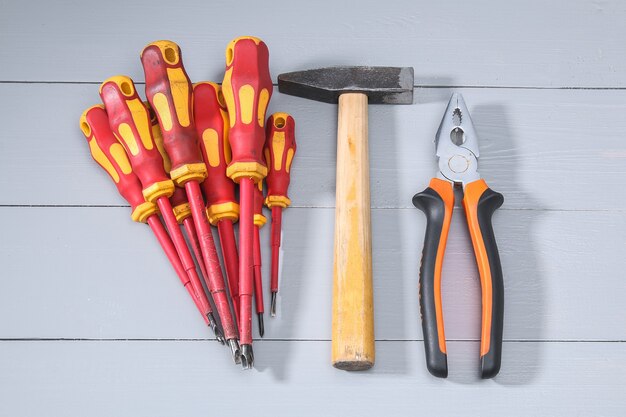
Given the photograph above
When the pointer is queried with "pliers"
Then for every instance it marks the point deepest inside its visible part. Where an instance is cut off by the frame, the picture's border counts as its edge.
(457, 149)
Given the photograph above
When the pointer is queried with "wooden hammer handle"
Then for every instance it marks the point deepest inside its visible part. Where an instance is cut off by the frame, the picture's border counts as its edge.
(353, 304)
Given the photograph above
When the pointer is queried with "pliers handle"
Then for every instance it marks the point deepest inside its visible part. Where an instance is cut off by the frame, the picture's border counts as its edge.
(479, 202)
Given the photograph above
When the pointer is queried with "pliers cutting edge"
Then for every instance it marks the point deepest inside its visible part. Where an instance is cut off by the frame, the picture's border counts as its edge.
(457, 150)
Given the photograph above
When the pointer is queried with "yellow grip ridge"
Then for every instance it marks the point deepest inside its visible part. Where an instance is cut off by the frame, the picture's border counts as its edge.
(210, 139)
(163, 109)
(239, 170)
(179, 86)
(128, 137)
(278, 147)
(141, 118)
(277, 201)
(182, 211)
(159, 189)
(223, 211)
(119, 155)
(188, 172)
(141, 213)
(100, 157)
(246, 103)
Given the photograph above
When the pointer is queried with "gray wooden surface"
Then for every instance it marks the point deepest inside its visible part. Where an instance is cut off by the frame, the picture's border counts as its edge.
(94, 322)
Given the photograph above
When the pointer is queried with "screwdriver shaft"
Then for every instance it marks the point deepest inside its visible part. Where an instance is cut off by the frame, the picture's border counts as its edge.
(192, 234)
(211, 260)
(277, 214)
(246, 247)
(183, 251)
(231, 260)
(258, 281)
(170, 251)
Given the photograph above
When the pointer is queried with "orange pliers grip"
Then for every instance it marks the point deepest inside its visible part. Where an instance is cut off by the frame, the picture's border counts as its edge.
(480, 202)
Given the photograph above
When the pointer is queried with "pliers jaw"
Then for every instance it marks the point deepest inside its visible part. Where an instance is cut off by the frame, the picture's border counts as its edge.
(457, 144)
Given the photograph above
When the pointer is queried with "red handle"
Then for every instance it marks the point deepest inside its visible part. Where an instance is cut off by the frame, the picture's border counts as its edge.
(129, 120)
(169, 92)
(212, 123)
(259, 218)
(280, 148)
(247, 88)
(111, 156)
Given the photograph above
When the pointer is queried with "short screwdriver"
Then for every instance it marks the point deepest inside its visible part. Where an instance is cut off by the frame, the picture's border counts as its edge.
(111, 156)
(280, 148)
(129, 120)
(211, 117)
(169, 91)
(247, 88)
(259, 221)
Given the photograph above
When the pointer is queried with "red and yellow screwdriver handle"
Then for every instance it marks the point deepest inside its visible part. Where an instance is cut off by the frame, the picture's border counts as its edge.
(479, 202)
(247, 88)
(170, 94)
(129, 120)
(179, 201)
(280, 148)
(110, 155)
(212, 125)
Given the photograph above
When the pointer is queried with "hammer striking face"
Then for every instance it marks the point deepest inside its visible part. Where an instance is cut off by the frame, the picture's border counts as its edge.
(382, 85)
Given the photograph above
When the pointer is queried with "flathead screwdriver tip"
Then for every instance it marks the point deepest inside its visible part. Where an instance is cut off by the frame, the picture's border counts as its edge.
(216, 330)
(235, 350)
(247, 357)
(273, 304)
(261, 324)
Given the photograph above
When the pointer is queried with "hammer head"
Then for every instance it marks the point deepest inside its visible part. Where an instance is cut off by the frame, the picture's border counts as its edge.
(382, 85)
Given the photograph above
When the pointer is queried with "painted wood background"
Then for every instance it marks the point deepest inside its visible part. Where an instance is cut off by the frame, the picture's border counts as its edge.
(93, 322)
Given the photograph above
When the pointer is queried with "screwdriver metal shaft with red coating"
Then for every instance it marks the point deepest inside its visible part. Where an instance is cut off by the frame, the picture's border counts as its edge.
(111, 156)
(259, 221)
(169, 92)
(211, 119)
(247, 88)
(179, 202)
(280, 148)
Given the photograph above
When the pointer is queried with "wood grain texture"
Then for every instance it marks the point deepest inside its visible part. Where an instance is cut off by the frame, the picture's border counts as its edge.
(562, 43)
(542, 149)
(353, 301)
(74, 273)
(190, 378)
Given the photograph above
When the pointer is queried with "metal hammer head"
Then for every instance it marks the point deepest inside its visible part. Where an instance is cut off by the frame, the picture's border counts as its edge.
(382, 85)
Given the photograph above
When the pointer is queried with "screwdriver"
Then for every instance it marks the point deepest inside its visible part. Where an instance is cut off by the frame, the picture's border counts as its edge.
(129, 120)
(111, 156)
(169, 92)
(280, 148)
(259, 221)
(179, 202)
(211, 117)
(247, 88)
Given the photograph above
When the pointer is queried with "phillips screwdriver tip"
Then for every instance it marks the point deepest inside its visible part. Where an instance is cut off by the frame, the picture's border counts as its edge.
(213, 325)
(261, 324)
(247, 357)
(273, 305)
(234, 350)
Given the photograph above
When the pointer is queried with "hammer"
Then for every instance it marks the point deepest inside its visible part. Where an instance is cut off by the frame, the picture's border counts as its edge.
(352, 88)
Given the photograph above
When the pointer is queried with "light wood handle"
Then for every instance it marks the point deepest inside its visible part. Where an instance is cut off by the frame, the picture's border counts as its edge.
(353, 303)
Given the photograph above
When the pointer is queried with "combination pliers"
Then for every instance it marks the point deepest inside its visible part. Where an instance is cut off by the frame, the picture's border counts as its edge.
(457, 149)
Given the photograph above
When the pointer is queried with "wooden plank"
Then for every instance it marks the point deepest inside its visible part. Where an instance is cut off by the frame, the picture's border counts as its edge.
(451, 43)
(91, 273)
(543, 149)
(295, 378)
